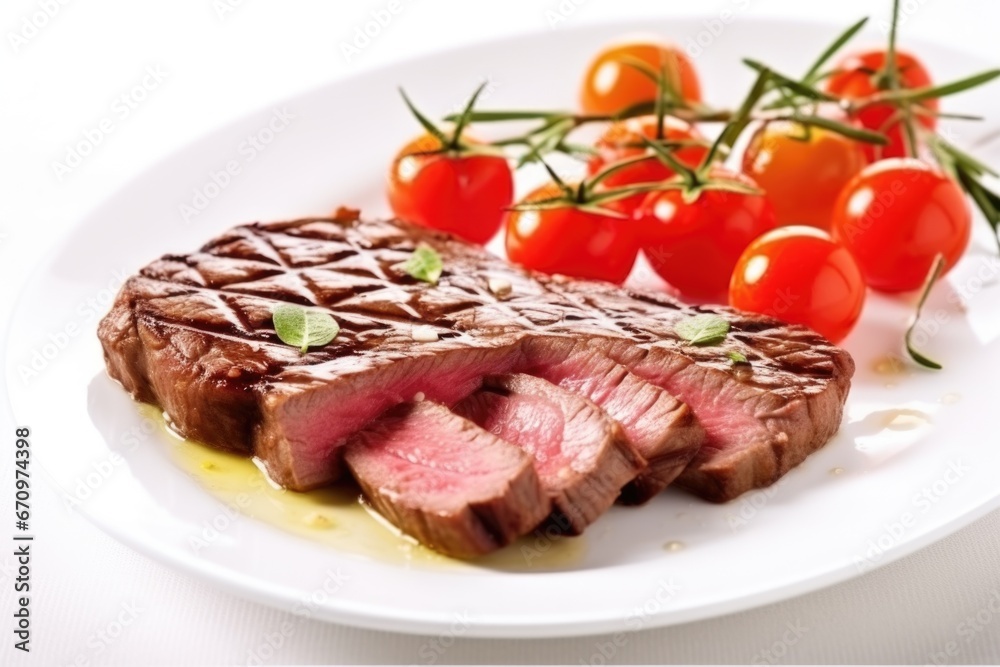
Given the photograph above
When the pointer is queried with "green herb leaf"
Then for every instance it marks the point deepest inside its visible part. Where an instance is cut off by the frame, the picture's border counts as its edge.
(499, 116)
(810, 76)
(731, 132)
(848, 131)
(932, 92)
(789, 83)
(615, 167)
(425, 264)
(668, 158)
(304, 327)
(737, 358)
(704, 329)
(567, 190)
(932, 278)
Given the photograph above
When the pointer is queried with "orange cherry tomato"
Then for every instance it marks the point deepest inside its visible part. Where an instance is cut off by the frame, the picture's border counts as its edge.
(856, 77)
(896, 216)
(461, 193)
(694, 245)
(570, 241)
(799, 275)
(802, 171)
(611, 84)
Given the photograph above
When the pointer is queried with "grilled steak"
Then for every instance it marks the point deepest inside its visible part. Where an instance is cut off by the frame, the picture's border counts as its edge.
(445, 481)
(581, 455)
(193, 333)
(660, 427)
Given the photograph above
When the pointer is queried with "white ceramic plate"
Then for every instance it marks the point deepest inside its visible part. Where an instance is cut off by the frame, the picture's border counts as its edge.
(905, 480)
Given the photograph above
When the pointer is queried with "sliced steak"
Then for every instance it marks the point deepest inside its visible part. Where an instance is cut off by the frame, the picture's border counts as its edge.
(193, 333)
(581, 455)
(445, 481)
(760, 420)
(661, 428)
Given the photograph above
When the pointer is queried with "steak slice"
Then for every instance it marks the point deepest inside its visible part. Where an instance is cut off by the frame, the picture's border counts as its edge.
(193, 333)
(662, 429)
(581, 455)
(445, 481)
(760, 420)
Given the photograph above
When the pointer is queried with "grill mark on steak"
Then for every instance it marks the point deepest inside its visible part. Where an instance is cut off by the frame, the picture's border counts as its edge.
(245, 390)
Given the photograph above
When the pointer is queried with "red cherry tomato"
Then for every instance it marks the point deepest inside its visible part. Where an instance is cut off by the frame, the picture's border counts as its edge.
(611, 84)
(799, 275)
(464, 194)
(856, 77)
(624, 140)
(802, 173)
(896, 216)
(694, 245)
(570, 241)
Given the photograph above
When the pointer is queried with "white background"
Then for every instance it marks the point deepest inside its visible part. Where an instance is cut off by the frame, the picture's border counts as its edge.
(222, 59)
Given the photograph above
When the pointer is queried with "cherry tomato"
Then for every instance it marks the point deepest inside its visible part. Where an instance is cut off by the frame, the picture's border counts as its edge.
(624, 140)
(694, 245)
(799, 275)
(896, 216)
(611, 84)
(464, 194)
(570, 241)
(802, 172)
(856, 77)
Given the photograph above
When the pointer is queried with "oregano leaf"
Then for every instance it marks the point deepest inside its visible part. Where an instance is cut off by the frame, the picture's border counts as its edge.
(737, 357)
(304, 327)
(704, 329)
(424, 264)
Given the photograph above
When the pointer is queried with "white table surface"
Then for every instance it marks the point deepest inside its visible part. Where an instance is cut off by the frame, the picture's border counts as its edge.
(97, 602)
